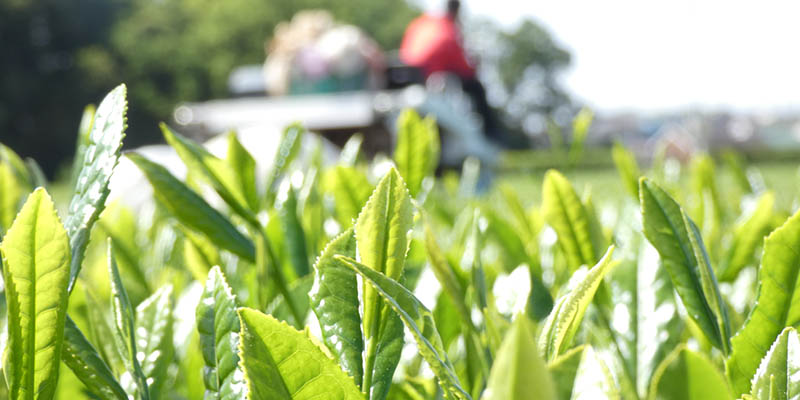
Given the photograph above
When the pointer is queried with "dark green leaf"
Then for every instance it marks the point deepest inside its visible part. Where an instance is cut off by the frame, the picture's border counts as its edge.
(84, 361)
(191, 210)
(418, 320)
(664, 226)
(334, 299)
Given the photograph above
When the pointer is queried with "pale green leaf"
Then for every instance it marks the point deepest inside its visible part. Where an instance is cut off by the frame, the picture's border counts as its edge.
(191, 210)
(563, 322)
(91, 186)
(244, 170)
(36, 256)
(153, 330)
(280, 362)
(334, 299)
(565, 213)
(417, 151)
(580, 374)
(123, 327)
(518, 371)
(381, 235)
(287, 151)
(746, 238)
(350, 189)
(688, 375)
(778, 376)
(628, 169)
(777, 305)
(418, 320)
(218, 325)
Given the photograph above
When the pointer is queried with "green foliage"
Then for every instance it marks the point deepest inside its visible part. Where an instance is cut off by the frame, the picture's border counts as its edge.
(678, 242)
(519, 371)
(687, 375)
(103, 145)
(35, 254)
(776, 377)
(776, 304)
(466, 275)
(280, 362)
(417, 149)
(560, 327)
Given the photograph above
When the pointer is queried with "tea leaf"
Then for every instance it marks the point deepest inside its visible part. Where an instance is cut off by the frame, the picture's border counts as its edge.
(334, 299)
(84, 361)
(280, 362)
(518, 371)
(91, 186)
(218, 325)
(776, 377)
(417, 149)
(682, 254)
(563, 322)
(191, 210)
(418, 320)
(776, 307)
(123, 327)
(36, 255)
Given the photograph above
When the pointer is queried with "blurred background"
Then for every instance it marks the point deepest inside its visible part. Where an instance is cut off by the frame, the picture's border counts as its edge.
(680, 76)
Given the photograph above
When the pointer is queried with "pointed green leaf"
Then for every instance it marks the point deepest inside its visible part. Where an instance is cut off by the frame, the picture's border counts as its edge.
(777, 376)
(154, 337)
(581, 374)
(746, 237)
(35, 254)
(777, 305)
(565, 213)
(84, 361)
(334, 299)
(191, 210)
(563, 322)
(418, 320)
(580, 129)
(627, 168)
(381, 236)
(351, 149)
(123, 327)
(280, 362)
(12, 191)
(218, 325)
(216, 172)
(688, 375)
(446, 276)
(286, 153)
(417, 150)
(350, 189)
(664, 226)
(244, 169)
(91, 187)
(518, 371)
(293, 236)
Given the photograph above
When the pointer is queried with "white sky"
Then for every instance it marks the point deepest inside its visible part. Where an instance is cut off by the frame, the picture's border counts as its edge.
(645, 55)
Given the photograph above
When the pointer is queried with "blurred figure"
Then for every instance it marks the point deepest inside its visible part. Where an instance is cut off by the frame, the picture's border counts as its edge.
(433, 43)
(314, 54)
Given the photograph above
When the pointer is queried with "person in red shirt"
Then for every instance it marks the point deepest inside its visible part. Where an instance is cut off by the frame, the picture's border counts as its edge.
(433, 43)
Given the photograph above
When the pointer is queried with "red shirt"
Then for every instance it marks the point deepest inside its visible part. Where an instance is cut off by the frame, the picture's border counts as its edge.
(433, 43)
